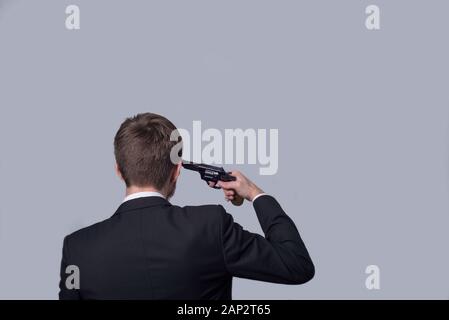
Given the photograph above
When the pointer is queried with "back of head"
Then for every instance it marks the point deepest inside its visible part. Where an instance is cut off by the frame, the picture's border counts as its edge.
(142, 148)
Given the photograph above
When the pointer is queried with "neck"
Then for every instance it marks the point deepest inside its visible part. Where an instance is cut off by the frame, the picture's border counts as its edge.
(135, 189)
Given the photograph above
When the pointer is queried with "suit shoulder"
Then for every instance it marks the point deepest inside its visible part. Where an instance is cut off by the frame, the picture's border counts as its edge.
(205, 212)
(85, 232)
(204, 209)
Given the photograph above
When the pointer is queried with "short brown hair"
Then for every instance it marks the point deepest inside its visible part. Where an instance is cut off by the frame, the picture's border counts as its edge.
(142, 150)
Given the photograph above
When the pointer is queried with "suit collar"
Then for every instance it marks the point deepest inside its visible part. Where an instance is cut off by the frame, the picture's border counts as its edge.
(142, 194)
(142, 202)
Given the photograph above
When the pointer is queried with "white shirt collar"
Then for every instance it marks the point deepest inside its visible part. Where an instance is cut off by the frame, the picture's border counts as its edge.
(142, 194)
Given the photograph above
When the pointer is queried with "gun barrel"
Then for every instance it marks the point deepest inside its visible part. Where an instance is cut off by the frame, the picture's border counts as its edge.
(190, 165)
(201, 167)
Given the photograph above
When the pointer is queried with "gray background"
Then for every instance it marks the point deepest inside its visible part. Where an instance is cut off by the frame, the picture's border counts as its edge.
(363, 119)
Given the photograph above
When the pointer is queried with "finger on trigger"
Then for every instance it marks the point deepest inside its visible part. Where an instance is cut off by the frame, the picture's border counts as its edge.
(227, 184)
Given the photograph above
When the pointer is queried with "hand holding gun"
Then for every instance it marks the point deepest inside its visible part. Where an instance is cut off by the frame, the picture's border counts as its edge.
(212, 175)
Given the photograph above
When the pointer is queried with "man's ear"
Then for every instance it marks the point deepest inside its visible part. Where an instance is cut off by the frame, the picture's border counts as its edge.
(117, 171)
(177, 171)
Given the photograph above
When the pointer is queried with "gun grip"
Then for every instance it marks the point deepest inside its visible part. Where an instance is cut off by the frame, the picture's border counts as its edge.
(238, 200)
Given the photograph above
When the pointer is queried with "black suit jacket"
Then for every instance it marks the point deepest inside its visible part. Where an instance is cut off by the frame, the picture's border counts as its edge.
(151, 249)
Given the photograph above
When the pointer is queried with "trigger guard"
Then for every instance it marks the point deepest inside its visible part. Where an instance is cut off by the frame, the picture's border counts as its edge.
(215, 187)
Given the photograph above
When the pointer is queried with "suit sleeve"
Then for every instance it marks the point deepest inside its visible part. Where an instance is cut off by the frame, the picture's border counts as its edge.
(64, 292)
(279, 257)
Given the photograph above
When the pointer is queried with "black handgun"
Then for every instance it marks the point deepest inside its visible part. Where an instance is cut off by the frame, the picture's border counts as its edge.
(208, 172)
(214, 174)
